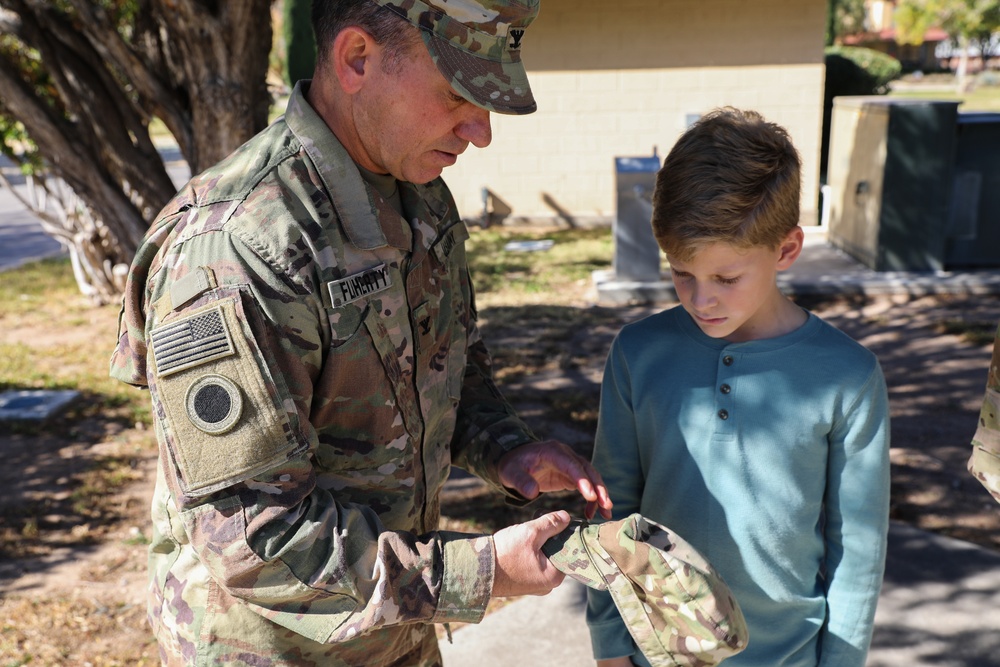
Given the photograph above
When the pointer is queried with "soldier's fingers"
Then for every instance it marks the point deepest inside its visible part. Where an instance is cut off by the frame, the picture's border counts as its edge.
(549, 525)
(586, 488)
(599, 501)
(522, 482)
(604, 500)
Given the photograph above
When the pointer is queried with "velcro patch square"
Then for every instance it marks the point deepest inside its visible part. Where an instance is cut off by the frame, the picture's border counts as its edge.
(224, 420)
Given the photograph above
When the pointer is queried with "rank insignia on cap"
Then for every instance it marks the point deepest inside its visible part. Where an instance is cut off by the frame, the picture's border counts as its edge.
(515, 41)
(191, 341)
(353, 287)
(214, 404)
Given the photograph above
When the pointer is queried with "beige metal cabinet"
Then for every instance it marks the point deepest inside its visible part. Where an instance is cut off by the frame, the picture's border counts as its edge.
(890, 180)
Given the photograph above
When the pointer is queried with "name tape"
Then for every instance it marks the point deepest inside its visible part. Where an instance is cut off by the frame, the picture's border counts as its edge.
(353, 287)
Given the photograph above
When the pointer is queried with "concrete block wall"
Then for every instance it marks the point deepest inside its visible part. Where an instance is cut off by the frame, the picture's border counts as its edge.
(624, 78)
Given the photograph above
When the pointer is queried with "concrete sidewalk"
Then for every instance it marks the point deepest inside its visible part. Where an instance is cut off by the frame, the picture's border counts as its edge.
(822, 269)
(940, 605)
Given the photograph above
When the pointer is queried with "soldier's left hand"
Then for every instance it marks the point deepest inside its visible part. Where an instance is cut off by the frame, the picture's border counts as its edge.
(551, 465)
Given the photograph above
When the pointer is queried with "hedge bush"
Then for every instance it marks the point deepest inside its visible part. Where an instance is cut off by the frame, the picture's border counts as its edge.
(853, 70)
(300, 44)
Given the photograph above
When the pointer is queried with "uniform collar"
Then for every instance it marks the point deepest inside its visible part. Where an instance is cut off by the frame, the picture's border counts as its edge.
(354, 201)
(351, 198)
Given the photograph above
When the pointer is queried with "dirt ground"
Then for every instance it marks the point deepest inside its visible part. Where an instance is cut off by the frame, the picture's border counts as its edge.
(73, 550)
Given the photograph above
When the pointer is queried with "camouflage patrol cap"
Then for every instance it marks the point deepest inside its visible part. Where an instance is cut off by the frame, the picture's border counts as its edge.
(677, 608)
(985, 460)
(476, 45)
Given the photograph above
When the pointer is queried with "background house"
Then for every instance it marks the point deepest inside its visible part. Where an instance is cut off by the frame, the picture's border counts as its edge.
(626, 78)
(880, 35)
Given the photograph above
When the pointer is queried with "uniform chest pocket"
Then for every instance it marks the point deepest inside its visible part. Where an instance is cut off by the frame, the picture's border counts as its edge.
(366, 385)
(441, 343)
(346, 322)
(353, 391)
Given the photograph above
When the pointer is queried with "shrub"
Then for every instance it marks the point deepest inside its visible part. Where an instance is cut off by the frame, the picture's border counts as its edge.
(300, 44)
(853, 70)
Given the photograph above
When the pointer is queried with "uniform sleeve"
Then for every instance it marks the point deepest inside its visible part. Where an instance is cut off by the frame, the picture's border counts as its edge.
(616, 457)
(984, 463)
(247, 491)
(857, 521)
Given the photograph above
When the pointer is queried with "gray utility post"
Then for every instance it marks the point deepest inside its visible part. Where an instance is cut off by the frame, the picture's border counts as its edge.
(637, 257)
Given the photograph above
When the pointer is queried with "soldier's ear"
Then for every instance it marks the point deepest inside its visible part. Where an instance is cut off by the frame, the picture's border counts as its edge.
(354, 52)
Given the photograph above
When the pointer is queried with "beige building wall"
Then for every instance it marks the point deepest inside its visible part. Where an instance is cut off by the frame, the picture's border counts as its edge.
(625, 79)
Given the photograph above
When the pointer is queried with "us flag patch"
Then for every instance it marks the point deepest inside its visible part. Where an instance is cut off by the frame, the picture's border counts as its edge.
(191, 341)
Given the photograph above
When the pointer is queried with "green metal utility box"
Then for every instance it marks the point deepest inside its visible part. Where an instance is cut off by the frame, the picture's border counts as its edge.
(974, 224)
(891, 175)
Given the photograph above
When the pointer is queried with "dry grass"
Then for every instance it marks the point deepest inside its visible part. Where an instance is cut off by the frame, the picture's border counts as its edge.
(75, 631)
(980, 98)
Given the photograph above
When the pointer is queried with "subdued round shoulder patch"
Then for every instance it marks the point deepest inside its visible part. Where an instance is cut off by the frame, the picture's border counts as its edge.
(214, 403)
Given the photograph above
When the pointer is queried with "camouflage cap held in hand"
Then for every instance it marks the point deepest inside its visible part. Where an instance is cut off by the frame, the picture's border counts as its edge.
(677, 608)
(476, 45)
(985, 460)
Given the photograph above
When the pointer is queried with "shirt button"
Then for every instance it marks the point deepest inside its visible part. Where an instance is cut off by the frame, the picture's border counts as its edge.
(725, 389)
(723, 414)
(727, 360)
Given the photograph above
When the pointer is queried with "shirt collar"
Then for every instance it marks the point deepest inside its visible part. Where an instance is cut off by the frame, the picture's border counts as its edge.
(351, 197)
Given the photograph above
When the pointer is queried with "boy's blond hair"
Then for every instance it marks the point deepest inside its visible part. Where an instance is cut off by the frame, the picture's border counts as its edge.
(732, 177)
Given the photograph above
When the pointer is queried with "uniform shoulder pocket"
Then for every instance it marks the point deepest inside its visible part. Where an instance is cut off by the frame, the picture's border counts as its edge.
(219, 406)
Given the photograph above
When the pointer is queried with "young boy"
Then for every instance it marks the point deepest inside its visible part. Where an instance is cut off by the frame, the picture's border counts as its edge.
(746, 424)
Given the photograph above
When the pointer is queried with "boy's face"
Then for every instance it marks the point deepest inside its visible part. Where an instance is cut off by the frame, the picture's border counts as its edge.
(732, 293)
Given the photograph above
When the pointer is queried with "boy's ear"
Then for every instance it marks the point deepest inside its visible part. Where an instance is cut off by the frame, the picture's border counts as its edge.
(790, 248)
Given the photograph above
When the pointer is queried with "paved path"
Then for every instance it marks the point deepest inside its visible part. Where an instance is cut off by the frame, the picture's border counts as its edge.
(21, 237)
(940, 606)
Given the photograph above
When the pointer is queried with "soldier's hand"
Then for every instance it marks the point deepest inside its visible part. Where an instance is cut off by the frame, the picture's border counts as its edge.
(551, 465)
(522, 568)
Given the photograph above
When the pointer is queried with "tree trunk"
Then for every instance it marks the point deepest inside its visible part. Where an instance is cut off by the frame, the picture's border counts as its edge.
(962, 75)
(221, 62)
(198, 65)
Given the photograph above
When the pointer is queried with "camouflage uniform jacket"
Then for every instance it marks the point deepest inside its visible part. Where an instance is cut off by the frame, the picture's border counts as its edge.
(985, 461)
(315, 368)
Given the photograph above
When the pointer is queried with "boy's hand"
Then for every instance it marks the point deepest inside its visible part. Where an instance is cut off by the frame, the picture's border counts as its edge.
(551, 465)
(522, 568)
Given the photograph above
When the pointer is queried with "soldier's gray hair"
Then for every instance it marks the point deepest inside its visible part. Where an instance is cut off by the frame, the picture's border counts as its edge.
(394, 33)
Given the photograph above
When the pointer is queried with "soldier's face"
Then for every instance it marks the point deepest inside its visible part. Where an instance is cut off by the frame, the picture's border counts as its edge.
(411, 122)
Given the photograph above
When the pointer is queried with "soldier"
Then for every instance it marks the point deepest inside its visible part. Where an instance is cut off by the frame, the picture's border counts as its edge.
(985, 460)
(303, 318)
